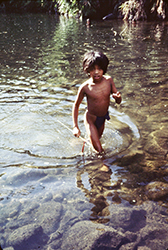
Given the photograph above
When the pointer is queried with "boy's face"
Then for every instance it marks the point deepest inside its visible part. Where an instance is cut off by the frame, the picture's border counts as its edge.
(96, 74)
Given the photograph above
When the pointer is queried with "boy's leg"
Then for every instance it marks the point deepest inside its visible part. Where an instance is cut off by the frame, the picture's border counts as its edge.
(92, 132)
(100, 130)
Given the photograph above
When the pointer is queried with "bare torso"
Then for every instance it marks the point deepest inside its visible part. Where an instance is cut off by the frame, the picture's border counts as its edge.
(98, 96)
(97, 91)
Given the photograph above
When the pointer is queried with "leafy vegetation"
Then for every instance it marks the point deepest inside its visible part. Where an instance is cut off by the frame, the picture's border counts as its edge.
(95, 9)
(143, 9)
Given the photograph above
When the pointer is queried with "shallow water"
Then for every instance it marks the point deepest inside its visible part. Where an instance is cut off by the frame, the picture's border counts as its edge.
(40, 73)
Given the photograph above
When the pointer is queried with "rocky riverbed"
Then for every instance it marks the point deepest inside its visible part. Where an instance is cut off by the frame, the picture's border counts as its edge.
(78, 208)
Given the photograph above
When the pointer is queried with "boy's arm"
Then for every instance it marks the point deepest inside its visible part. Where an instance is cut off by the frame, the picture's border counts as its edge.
(79, 98)
(115, 94)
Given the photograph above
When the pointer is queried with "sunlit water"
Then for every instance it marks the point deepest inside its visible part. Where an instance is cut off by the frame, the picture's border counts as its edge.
(40, 72)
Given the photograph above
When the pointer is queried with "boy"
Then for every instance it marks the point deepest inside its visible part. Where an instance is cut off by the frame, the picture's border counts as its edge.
(97, 91)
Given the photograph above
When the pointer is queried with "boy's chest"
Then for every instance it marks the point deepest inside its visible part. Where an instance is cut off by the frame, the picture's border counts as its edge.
(98, 91)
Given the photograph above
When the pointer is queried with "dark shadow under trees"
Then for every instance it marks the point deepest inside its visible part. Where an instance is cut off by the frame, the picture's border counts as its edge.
(131, 10)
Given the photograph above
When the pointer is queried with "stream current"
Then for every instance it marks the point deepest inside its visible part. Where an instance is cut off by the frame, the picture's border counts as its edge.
(40, 72)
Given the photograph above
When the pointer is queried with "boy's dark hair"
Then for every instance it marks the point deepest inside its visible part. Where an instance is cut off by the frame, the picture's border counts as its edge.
(92, 58)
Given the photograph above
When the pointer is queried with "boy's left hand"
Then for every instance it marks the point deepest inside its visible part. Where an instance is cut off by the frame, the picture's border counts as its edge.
(117, 97)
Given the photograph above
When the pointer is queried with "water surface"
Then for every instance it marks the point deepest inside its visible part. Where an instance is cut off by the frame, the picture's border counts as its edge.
(40, 72)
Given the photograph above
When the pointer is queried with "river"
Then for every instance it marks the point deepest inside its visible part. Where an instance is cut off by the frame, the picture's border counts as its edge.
(47, 184)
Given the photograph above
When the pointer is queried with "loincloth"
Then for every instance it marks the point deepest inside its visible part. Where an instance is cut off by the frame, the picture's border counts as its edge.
(101, 119)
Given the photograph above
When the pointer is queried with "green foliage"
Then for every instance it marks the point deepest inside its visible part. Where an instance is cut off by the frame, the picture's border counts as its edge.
(141, 10)
(129, 6)
(68, 6)
(129, 9)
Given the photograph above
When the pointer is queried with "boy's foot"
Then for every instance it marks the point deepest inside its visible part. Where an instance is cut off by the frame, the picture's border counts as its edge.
(101, 154)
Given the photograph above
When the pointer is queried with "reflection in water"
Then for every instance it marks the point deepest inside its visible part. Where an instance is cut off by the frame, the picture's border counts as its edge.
(40, 74)
(97, 181)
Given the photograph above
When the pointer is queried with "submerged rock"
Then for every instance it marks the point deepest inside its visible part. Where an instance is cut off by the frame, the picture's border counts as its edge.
(157, 190)
(48, 216)
(133, 157)
(127, 219)
(87, 235)
(154, 236)
(27, 237)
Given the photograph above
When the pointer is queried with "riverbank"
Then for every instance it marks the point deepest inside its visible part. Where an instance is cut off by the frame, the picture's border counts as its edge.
(131, 10)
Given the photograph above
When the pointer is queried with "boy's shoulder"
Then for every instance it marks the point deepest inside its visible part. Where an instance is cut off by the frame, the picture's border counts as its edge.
(107, 77)
(86, 83)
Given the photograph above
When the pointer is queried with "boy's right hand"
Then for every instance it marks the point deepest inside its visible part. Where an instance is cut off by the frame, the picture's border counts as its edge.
(76, 131)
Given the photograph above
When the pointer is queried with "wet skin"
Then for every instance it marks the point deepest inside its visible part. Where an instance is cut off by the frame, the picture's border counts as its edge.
(97, 91)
